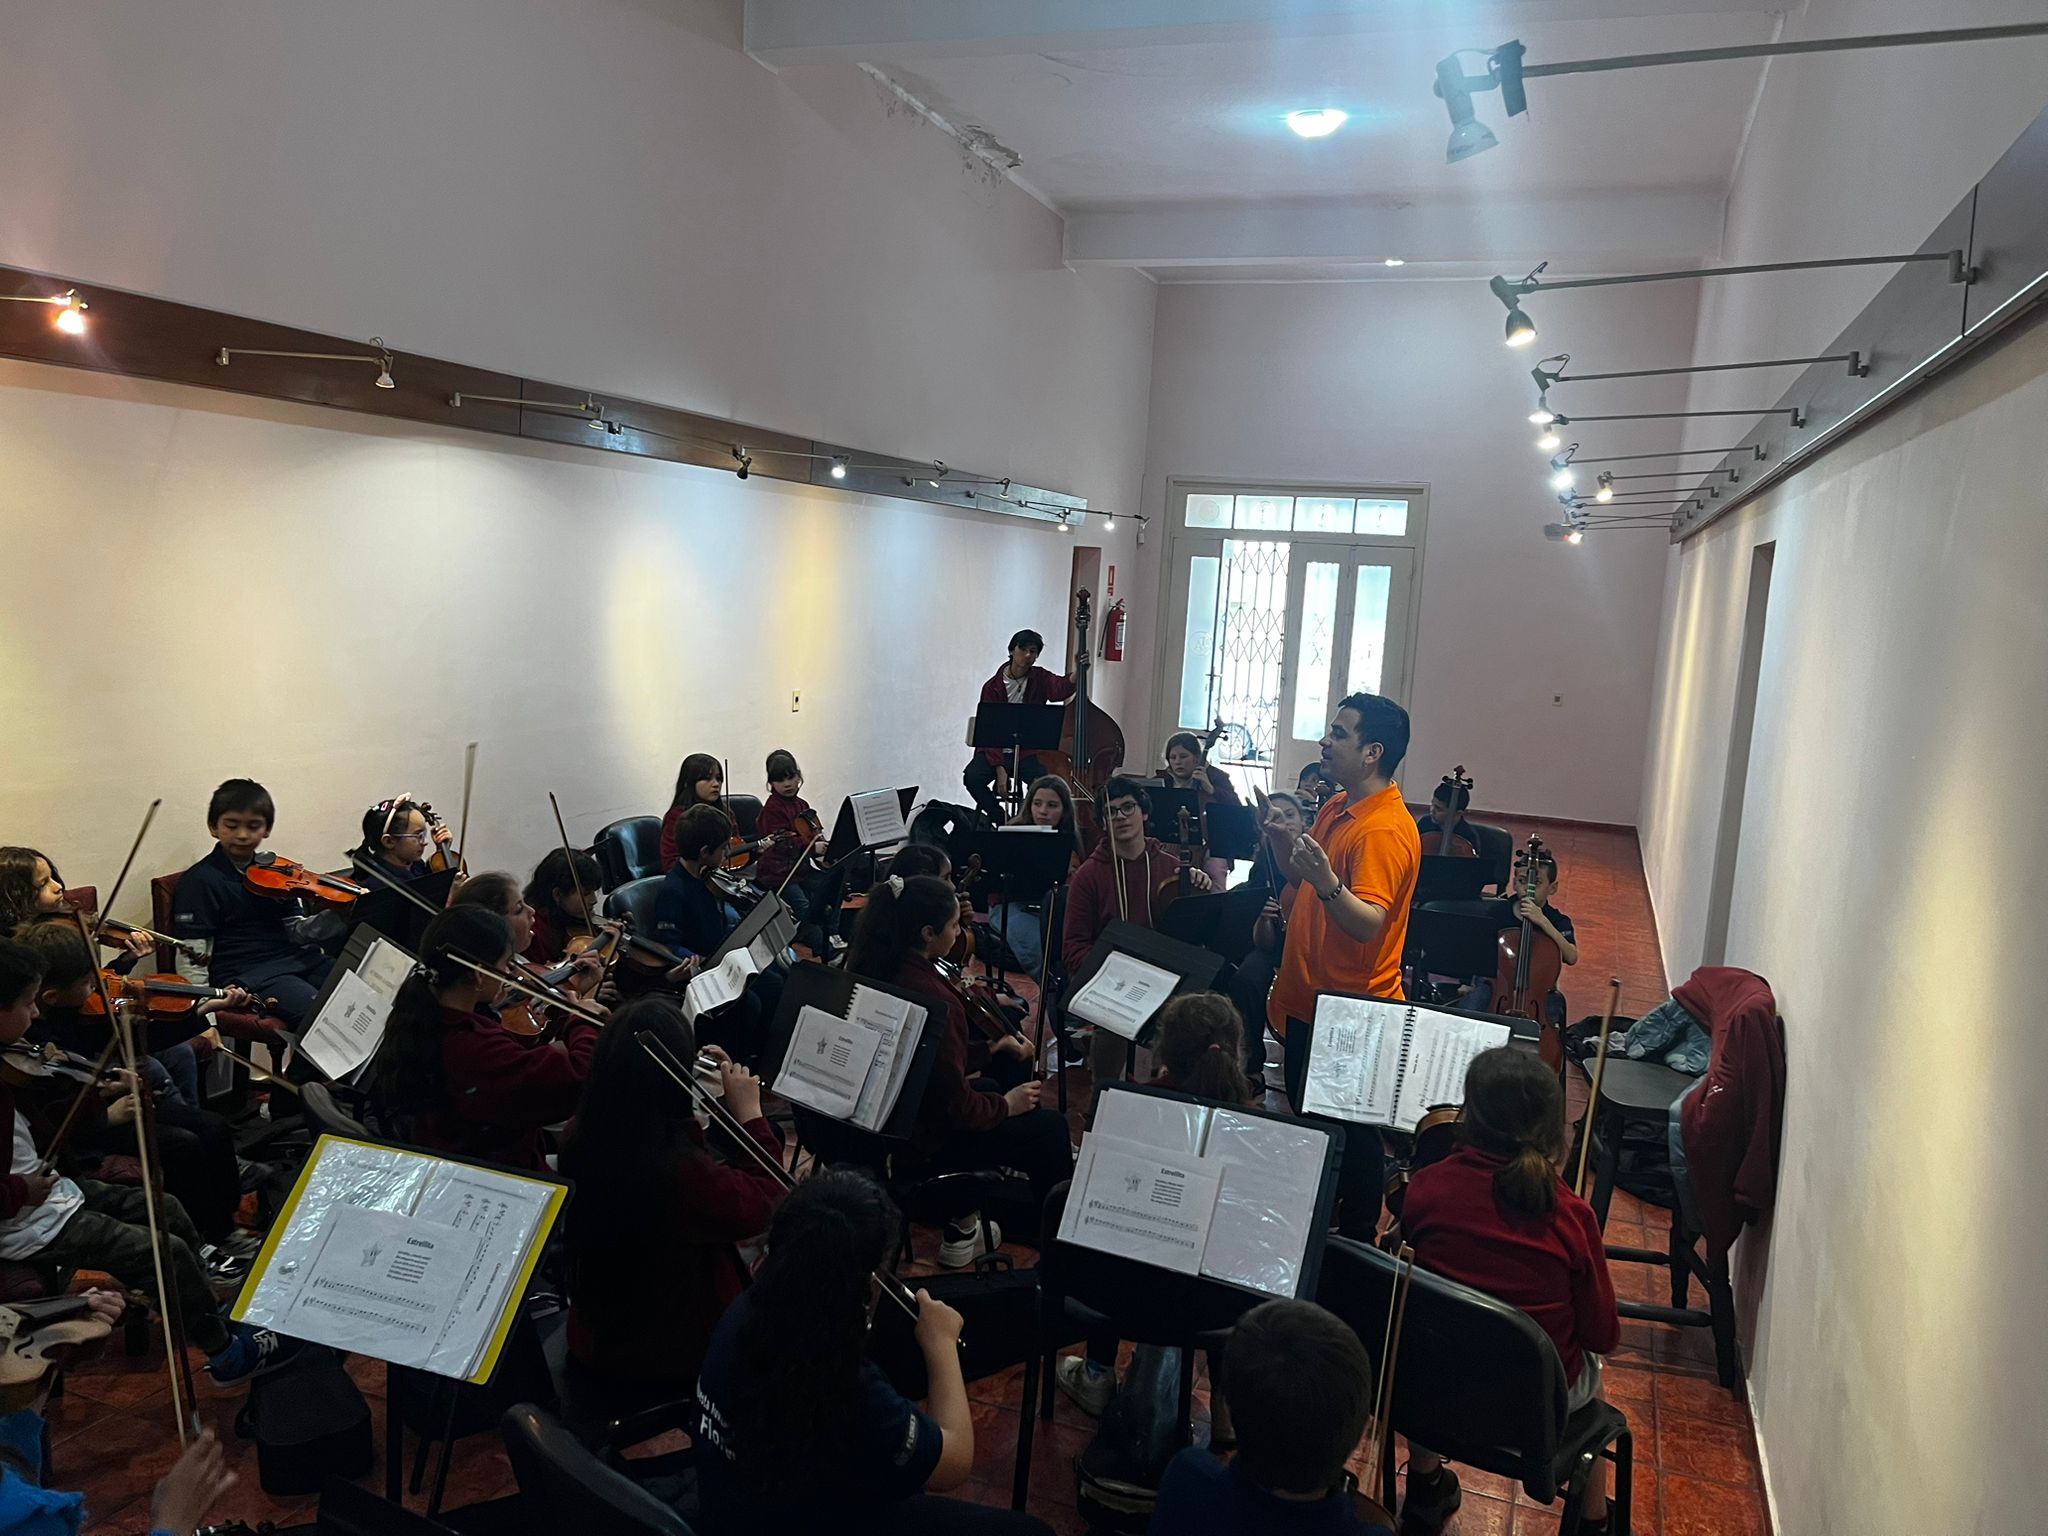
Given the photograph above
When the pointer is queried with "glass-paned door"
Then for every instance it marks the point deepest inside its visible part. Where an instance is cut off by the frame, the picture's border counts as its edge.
(1350, 637)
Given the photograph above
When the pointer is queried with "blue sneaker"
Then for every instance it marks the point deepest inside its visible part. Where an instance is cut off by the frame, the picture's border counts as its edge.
(251, 1352)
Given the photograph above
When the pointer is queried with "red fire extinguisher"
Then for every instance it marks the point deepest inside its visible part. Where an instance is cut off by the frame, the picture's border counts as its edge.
(1113, 632)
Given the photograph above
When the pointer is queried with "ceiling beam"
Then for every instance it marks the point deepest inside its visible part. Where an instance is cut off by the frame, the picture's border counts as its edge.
(1601, 233)
(786, 33)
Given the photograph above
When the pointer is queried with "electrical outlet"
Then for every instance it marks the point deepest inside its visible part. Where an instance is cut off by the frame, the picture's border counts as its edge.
(1556, 701)
(796, 700)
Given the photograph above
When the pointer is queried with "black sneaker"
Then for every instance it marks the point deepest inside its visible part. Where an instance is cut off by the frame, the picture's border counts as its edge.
(251, 1352)
(1429, 1503)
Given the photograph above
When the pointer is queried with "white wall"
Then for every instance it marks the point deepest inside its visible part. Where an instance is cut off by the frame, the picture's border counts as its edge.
(1895, 1372)
(607, 193)
(1408, 382)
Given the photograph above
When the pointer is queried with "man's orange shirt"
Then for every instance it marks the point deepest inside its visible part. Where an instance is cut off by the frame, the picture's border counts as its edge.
(1375, 850)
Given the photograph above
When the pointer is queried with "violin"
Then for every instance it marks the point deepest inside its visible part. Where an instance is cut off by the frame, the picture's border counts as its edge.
(963, 950)
(25, 1063)
(740, 851)
(43, 1334)
(115, 934)
(1529, 963)
(441, 854)
(162, 996)
(810, 829)
(1452, 840)
(1435, 1138)
(273, 875)
(1182, 880)
(984, 1015)
(1091, 744)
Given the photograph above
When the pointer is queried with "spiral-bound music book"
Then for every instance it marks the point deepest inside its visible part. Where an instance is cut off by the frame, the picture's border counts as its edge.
(1385, 1063)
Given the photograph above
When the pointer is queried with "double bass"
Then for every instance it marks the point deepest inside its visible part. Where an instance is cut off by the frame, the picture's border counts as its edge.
(1091, 745)
(1529, 963)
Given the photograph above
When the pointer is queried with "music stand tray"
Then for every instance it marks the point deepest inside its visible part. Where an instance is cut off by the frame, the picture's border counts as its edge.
(845, 840)
(1218, 921)
(1028, 728)
(1452, 879)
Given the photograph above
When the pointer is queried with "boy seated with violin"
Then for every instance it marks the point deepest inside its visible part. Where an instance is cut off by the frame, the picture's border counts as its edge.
(696, 909)
(49, 1218)
(261, 942)
(790, 863)
(70, 1034)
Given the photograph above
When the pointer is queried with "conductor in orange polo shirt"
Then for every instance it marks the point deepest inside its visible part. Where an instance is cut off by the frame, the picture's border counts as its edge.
(1349, 921)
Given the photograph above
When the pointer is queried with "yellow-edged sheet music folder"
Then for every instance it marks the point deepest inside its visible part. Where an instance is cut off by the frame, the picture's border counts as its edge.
(403, 1256)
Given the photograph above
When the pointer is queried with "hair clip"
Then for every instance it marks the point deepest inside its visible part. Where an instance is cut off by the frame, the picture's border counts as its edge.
(896, 885)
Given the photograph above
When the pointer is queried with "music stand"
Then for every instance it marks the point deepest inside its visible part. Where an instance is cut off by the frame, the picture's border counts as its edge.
(1456, 939)
(846, 840)
(1233, 831)
(810, 984)
(1195, 969)
(389, 907)
(770, 920)
(1019, 730)
(1443, 878)
(1218, 921)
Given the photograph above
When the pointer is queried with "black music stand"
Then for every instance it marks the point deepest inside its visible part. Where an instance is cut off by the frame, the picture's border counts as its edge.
(1218, 921)
(389, 907)
(769, 918)
(1195, 970)
(1445, 878)
(845, 841)
(812, 985)
(1233, 831)
(1458, 939)
(1019, 731)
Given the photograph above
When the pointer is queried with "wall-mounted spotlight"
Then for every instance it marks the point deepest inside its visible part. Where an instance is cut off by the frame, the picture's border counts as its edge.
(1108, 521)
(1505, 70)
(1606, 484)
(70, 316)
(838, 466)
(1544, 376)
(1548, 439)
(1521, 330)
(382, 359)
(746, 461)
(1561, 481)
(1543, 415)
(1317, 122)
(1560, 460)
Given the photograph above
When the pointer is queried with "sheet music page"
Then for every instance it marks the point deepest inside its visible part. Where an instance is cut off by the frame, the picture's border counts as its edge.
(1266, 1205)
(1141, 1203)
(1443, 1049)
(878, 817)
(720, 985)
(827, 1063)
(350, 1024)
(380, 1284)
(1124, 994)
(1352, 1057)
(504, 1214)
(1170, 1124)
(344, 1174)
(890, 1018)
(385, 967)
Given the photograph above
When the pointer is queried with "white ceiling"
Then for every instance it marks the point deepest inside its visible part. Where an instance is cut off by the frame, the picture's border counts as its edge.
(1156, 125)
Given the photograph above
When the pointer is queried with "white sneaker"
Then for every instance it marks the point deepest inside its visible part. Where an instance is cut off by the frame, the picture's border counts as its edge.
(1087, 1385)
(966, 1243)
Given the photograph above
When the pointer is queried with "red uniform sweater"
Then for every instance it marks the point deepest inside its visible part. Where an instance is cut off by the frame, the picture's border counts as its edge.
(951, 1101)
(1553, 1267)
(502, 1090)
(675, 1227)
(1040, 687)
(778, 814)
(1093, 902)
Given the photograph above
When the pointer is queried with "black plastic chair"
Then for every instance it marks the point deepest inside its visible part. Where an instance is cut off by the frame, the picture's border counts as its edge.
(1085, 1292)
(1496, 847)
(634, 901)
(325, 1114)
(570, 1489)
(926, 1200)
(1635, 1113)
(746, 812)
(629, 850)
(1477, 1381)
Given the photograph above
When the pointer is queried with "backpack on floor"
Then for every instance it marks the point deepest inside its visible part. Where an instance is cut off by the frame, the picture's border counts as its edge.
(309, 1422)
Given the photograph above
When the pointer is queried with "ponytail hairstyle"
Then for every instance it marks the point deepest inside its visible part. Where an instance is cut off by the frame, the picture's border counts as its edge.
(494, 890)
(378, 820)
(697, 767)
(411, 1077)
(551, 881)
(1514, 1109)
(893, 922)
(796, 1396)
(1201, 1041)
(18, 885)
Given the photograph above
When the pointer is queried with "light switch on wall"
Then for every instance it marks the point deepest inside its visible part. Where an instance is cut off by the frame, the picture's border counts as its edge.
(796, 700)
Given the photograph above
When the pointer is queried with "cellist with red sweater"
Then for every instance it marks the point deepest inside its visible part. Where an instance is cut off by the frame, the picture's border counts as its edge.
(461, 1082)
(1020, 680)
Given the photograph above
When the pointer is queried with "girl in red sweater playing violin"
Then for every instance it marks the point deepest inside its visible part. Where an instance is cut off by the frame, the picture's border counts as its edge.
(1494, 1215)
(460, 1082)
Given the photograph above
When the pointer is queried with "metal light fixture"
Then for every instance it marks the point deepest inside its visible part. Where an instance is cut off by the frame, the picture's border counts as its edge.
(1561, 481)
(1506, 71)
(1548, 439)
(383, 359)
(1543, 415)
(1317, 122)
(588, 409)
(839, 466)
(1606, 484)
(746, 461)
(70, 316)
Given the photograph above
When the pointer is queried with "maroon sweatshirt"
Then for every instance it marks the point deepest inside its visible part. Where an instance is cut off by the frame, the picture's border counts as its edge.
(1730, 1122)
(1092, 901)
(778, 814)
(677, 1227)
(1040, 687)
(502, 1090)
(951, 1101)
(1554, 1267)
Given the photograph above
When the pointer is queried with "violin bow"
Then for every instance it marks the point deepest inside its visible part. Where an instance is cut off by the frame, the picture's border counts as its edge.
(462, 832)
(538, 994)
(569, 858)
(658, 1051)
(262, 1073)
(1593, 1093)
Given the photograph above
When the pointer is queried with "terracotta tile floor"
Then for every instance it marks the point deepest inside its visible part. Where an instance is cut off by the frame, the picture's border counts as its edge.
(1696, 1469)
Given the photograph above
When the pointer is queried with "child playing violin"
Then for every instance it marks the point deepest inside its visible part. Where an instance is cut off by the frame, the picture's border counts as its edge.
(962, 1124)
(651, 1198)
(258, 942)
(398, 840)
(811, 890)
(454, 1077)
(700, 781)
(52, 1219)
(494, 890)
(197, 1148)
(555, 899)
(694, 914)
(1188, 767)
(1496, 1216)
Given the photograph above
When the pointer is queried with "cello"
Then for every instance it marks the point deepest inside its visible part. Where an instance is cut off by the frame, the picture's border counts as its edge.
(1529, 963)
(1091, 744)
(1452, 841)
